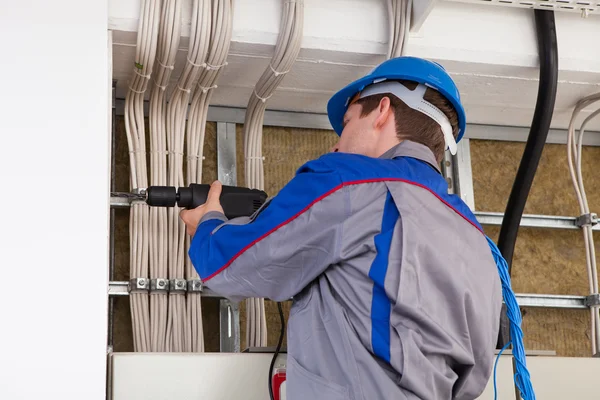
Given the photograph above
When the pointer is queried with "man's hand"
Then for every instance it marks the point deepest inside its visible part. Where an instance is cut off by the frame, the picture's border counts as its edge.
(192, 218)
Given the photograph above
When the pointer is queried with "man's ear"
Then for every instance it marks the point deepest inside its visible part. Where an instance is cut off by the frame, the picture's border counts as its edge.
(384, 111)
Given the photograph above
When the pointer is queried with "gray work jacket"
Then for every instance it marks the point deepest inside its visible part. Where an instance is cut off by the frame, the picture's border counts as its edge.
(395, 292)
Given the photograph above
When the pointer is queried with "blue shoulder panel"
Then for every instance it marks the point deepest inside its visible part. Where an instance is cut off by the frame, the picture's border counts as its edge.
(355, 168)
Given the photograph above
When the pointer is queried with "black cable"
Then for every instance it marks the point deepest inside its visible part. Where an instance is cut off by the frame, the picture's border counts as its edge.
(540, 125)
(277, 349)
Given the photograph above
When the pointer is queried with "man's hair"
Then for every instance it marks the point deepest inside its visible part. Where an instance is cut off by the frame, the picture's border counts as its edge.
(414, 125)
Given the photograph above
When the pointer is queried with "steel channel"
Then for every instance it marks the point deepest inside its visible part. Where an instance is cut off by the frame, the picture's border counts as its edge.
(551, 301)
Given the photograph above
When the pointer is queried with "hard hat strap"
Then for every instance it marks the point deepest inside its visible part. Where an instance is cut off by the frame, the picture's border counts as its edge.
(414, 99)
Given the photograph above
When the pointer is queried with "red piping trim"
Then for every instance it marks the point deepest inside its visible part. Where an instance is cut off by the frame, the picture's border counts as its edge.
(358, 182)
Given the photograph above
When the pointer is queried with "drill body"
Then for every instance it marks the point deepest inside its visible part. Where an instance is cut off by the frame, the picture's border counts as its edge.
(236, 201)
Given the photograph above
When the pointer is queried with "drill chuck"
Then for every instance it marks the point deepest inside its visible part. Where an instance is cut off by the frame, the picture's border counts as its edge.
(236, 201)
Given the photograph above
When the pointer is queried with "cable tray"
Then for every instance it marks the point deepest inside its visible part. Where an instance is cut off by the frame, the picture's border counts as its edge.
(581, 6)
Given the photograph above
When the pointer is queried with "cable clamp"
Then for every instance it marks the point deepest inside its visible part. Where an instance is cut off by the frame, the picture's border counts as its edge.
(206, 89)
(203, 65)
(194, 286)
(139, 285)
(589, 219)
(177, 286)
(215, 67)
(159, 152)
(159, 285)
(263, 99)
(277, 73)
(140, 191)
(593, 300)
(137, 91)
(137, 71)
(163, 88)
(171, 67)
(188, 91)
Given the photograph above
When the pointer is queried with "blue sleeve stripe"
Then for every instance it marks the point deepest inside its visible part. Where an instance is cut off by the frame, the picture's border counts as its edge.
(265, 235)
(380, 305)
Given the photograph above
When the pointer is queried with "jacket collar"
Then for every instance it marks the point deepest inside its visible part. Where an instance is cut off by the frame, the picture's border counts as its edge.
(408, 148)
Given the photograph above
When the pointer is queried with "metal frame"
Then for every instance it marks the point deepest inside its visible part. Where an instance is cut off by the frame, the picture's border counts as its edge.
(293, 119)
(120, 288)
(229, 313)
(457, 169)
(463, 173)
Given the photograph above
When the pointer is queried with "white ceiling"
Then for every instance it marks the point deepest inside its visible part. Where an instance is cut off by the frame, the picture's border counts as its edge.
(490, 51)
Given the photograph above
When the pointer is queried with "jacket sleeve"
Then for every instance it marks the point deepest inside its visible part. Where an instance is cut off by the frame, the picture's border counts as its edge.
(282, 248)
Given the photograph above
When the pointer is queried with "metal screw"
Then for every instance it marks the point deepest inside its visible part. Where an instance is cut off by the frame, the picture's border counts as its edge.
(142, 281)
(161, 283)
(179, 284)
(197, 285)
(447, 163)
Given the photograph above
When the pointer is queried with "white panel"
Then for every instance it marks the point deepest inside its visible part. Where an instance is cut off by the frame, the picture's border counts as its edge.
(504, 382)
(54, 168)
(560, 378)
(208, 376)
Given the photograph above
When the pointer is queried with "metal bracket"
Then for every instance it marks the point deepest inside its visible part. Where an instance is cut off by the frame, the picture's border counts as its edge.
(159, 285)
(139, 285)
(593, 300)
(177, 286)
(194, 286)
(590, 219)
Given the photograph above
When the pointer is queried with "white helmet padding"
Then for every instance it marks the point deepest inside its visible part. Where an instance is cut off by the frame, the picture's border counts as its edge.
(414, 99)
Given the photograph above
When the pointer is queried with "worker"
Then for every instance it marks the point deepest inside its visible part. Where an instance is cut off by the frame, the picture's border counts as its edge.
(395, 291)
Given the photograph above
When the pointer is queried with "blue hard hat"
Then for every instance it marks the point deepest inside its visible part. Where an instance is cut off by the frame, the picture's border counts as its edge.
(415, 69)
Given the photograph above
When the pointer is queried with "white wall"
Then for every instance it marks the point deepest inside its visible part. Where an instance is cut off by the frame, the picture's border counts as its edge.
(54, 172)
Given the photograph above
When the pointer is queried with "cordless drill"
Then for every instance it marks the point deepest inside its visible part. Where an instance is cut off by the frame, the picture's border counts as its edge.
(236, 201)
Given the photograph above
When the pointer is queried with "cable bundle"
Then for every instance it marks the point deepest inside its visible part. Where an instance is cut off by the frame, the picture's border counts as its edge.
(136, 140)
(168, 44)
(220, 39)
(522, 378)
(176, 114)
(574, 155)
(399, 12)
(286, 51)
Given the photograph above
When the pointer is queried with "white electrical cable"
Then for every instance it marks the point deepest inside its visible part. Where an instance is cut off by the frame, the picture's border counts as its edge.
(216, 60)
(136, 140)
(168, 44)
(287, 48)
(176, 116)
(399, 13)
(574, 156)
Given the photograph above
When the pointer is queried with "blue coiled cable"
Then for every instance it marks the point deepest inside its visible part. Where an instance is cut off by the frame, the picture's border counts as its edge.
(513, 312)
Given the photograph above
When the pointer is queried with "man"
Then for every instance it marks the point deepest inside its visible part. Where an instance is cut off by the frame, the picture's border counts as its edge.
(395, 291)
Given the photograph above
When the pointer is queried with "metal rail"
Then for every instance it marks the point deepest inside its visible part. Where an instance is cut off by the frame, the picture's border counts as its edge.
(532, 220)
(120, 288)
(485, 218)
